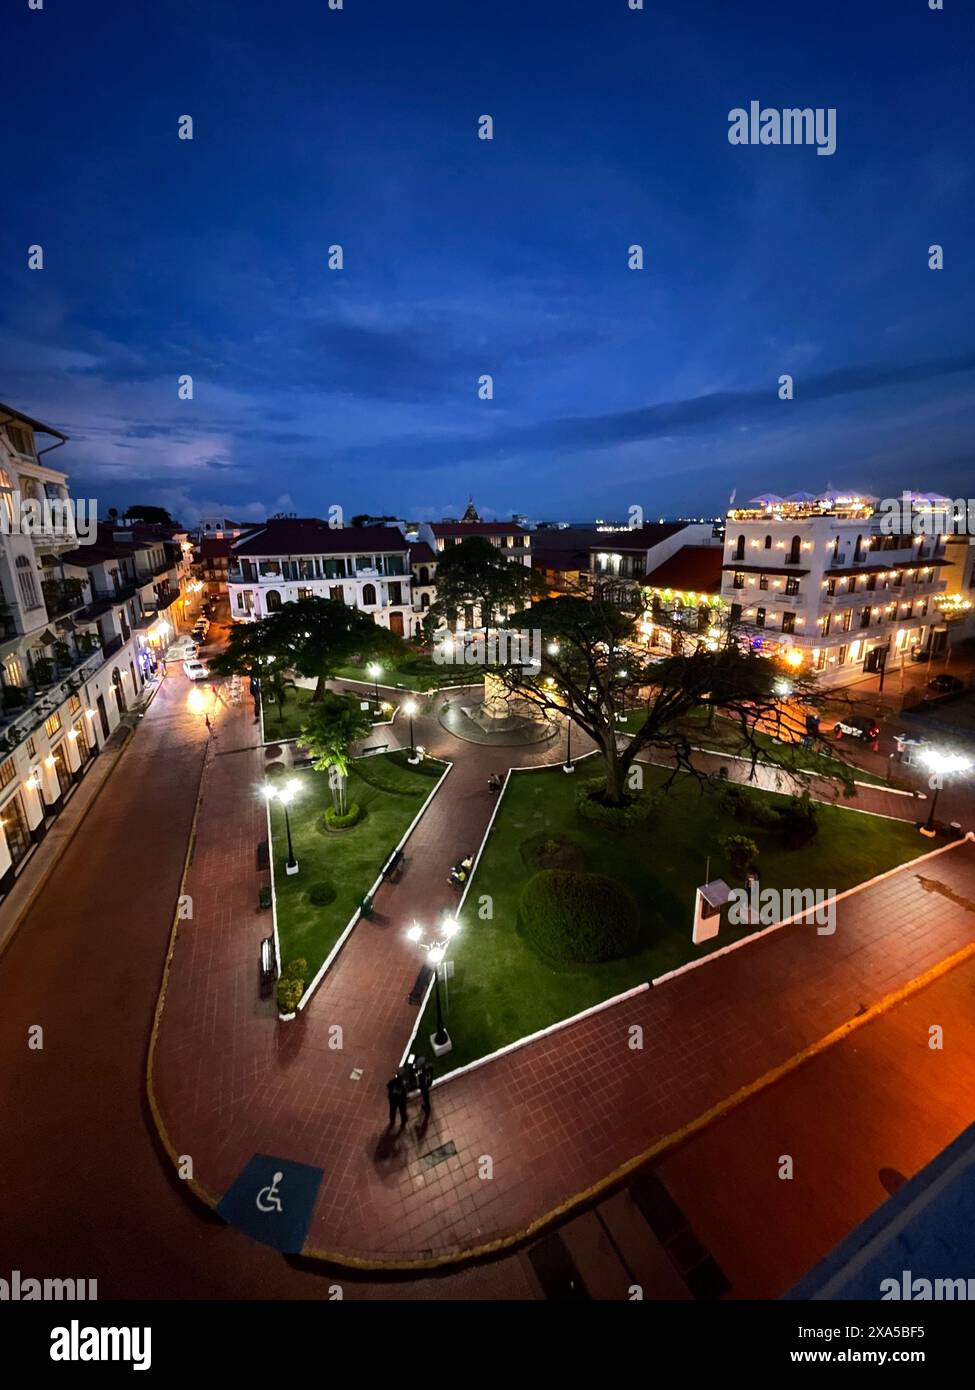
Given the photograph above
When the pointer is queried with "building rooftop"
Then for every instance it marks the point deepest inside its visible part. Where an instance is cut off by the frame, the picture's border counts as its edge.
(638, 538)
(310, 536)
(694, 568)
(444, 530)
(421, 553)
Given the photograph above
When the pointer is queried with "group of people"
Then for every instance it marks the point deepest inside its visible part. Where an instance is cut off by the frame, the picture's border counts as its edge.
(416, 1074)
(460, 871)
(495, 782)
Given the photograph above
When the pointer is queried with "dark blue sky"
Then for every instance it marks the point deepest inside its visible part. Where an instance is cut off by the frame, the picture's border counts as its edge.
(612, 387)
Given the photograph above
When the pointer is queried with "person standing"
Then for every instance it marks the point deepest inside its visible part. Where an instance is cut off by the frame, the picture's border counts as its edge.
(396, 1091)
(424, 1079)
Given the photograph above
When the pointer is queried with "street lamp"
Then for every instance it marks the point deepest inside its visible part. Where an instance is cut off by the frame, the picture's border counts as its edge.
(940, 765)
(568, 765)
(375, 670)
(409, 709)
(436, 951)
(286, 795)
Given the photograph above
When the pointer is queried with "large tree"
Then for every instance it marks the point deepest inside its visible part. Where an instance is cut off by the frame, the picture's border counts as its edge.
(595, 668)
(477, 574)
(312, 636)
(332, 727)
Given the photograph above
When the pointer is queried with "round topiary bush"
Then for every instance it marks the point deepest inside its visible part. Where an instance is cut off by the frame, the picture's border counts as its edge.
(333, 821)
(578, 918)
(321, 894)
(636, 810)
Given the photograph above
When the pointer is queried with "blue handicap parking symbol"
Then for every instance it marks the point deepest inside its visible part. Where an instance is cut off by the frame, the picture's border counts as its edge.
(273, 1200)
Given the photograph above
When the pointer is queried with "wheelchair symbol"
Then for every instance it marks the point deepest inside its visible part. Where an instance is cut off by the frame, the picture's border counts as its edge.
(267, 1198)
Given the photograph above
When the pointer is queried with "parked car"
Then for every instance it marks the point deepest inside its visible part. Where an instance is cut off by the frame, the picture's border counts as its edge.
(945, 684)
(201, 625)
(857, 726)
(196, 670)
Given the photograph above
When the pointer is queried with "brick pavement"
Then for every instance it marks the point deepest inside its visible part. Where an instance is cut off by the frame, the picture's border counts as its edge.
(231, 1081)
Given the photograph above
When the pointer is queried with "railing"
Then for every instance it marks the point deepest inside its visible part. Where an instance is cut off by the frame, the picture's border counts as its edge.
(111, 647)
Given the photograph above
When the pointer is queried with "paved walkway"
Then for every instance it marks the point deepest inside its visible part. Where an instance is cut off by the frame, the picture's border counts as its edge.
(231, 1081)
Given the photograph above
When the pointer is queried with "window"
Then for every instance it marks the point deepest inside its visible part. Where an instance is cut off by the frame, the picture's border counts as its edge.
(735, 614)
(858, 550)
(739, 581)
(6, 495)
(304, 593)
(824, 623)
(270, 568)
(31, 748)
(740, 548)
(7, 772)
(272, 600)
(864, 617)
(853, 585)
(848, 620)
(25, 582)
(763, 581)
(16, 829)
(791, 586)
(52, 725)
(923, 608)
(830, 587)
(368, 595)
(820, 662)
(337, 593)
(794, 550)
(74, 705)
(759, 617)
(395, 593)
(788, 622)
(768, 542)
(871, 582)
(424, 575)
(15, 671)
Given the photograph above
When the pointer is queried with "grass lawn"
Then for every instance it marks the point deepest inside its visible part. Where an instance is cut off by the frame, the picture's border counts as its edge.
(502, 990)
(391, 793)
(415, 673)
(724, 736)
(285, 721)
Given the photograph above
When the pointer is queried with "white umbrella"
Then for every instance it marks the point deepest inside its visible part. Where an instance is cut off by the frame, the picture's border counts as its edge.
(766, 499)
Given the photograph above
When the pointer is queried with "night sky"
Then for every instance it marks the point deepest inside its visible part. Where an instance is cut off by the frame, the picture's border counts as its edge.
(612, 387)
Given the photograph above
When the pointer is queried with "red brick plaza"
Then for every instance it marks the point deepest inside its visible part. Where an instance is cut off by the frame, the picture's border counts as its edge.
(558, 1118)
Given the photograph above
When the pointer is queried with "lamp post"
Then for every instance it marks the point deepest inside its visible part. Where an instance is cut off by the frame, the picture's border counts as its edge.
(940, 765)
(375, 670)
(568, 765)
(409, 708)
(436, 951)
(286, 795)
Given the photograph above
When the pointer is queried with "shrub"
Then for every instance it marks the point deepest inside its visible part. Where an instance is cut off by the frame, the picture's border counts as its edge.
(333, 821)
(573, 917)
(296, 969)
(545, 852)
(636, 809)
(797, 821)
(264, 897)
(741, 851)
(289, 993)
(321, 894)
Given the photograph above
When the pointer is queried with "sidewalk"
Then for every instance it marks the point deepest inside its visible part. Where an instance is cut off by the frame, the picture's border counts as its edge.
(231, 1081)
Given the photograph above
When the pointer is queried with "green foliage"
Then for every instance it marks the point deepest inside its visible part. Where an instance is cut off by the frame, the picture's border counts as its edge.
(741, 852)
(291, 985)
(794, 819)
(264, 897)
(321, 894)
(476, 572)
(333, 724)
(798, 822)
(636, 808)
(342, 820)
(578, 918)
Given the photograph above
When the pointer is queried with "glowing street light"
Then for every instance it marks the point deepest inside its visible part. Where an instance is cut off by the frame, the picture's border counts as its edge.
(793, 658)
(409, 709)
(285, 795)
(436, 951)
(940, 765)
(375, 670)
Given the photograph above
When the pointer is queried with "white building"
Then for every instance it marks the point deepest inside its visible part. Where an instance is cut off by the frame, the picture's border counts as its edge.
(289, 558)
(76, 626)
(822, 578)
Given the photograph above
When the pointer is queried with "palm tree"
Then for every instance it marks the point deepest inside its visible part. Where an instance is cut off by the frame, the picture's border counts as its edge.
(334, 724)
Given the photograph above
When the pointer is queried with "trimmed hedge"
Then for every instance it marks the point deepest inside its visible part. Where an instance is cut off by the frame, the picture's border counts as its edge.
(321, 894)
(578, 918)
(636, 810)
(333, 821)
(291, 985)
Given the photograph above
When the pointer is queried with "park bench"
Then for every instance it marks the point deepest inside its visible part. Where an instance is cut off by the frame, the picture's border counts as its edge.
(263, 855)
(268, 972)
(420, 985)
(393, 868)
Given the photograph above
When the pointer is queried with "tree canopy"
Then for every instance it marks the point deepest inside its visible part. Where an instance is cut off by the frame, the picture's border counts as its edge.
(332, 727)
(477, 573)
(312, 636)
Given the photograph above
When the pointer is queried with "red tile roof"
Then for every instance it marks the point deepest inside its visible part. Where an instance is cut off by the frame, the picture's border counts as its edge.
(421, 554)
(694, 568)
